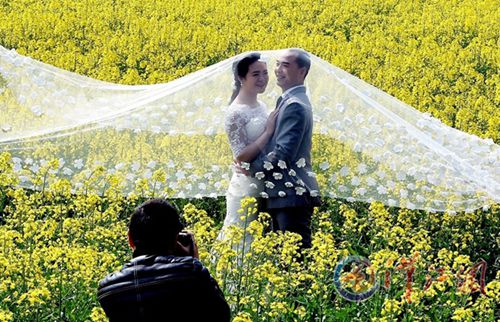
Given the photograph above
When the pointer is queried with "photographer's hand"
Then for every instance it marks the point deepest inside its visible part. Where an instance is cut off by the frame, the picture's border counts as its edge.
(186, 245)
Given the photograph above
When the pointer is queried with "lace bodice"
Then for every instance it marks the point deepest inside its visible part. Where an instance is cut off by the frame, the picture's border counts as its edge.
(244, 124)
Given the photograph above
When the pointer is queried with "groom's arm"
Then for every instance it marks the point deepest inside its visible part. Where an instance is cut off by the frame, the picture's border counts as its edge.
(257, 165)
(291, 130)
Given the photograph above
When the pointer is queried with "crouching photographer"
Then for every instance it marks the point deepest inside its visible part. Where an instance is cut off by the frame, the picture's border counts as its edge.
(164, 281)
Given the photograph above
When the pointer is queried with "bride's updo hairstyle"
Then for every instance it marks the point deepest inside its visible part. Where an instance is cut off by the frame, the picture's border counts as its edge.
(240, 70)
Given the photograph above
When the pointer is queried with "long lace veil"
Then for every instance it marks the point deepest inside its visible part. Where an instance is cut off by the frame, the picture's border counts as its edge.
(367, 145)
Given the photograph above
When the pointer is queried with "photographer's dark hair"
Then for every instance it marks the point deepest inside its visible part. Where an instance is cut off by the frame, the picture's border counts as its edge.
(240, 70)
(154, 226)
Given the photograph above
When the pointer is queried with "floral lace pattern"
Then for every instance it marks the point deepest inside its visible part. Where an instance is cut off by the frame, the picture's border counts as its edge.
(244, 124)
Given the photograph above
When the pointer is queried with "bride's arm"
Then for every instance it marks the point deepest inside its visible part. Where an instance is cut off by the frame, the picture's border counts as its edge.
(250, 152)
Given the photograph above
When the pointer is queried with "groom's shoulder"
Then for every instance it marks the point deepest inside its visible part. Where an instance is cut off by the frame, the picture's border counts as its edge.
(301, 100)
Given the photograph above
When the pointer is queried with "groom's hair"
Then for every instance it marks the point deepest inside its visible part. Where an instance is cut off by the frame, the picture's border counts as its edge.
(302, 58)
(154, 226)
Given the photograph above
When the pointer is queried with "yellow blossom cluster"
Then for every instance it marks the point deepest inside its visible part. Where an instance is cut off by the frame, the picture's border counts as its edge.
(56, 245)
(437, 56)
(58, 240)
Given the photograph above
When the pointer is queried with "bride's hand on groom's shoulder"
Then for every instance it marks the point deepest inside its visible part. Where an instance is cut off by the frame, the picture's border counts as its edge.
(271, 122)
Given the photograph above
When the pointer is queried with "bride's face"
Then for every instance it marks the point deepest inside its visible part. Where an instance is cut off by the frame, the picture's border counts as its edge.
(256, 79)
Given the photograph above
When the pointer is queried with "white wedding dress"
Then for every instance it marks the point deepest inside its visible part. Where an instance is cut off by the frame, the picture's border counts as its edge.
(243, 125)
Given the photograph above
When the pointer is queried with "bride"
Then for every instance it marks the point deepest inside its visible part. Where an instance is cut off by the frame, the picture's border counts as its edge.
(248, 128)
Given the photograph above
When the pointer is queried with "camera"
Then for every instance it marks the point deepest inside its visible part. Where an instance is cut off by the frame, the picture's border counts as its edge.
(185, 238)
(186, 245)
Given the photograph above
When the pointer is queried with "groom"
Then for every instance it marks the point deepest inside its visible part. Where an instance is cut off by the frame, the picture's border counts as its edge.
(290, 187)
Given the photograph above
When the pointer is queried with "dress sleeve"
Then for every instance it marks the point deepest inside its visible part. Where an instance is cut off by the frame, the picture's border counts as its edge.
(235, 129)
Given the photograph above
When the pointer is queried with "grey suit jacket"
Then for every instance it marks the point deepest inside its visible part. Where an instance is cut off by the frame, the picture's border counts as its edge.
(285, 163)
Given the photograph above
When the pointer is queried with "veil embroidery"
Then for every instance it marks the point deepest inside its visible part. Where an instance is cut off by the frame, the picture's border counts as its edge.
(367, 146)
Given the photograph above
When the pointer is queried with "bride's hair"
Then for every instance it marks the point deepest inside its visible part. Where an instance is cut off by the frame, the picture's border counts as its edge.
(240, 70)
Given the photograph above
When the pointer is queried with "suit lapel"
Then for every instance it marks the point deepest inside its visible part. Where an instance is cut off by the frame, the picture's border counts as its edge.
(279, 102)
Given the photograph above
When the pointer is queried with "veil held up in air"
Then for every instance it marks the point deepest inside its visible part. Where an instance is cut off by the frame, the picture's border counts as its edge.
(367, 145)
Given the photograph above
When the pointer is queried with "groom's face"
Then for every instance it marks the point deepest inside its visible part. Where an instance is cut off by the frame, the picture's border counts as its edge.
(288, 73)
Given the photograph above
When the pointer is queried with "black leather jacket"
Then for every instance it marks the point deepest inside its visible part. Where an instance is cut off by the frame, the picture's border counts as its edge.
(162, 288)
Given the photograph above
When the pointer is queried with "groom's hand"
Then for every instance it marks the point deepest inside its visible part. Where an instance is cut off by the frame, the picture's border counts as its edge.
(241, 167)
